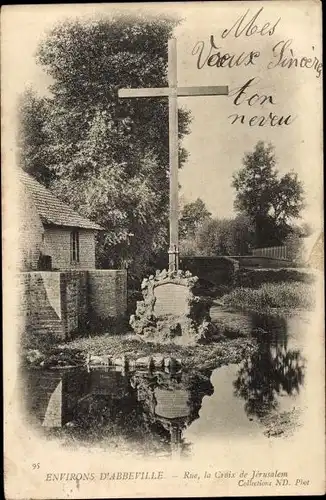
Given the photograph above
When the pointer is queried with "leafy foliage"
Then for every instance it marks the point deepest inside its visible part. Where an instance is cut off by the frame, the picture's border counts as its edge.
(295, 247)
(192, 217)
(272, 202)
(107, 157)
(33, 139)
(220, 237)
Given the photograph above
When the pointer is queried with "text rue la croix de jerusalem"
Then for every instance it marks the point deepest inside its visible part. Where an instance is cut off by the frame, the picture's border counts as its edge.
(251, 478)
(283, 55)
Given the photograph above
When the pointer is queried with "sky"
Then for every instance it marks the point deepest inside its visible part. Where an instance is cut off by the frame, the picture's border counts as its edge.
(216, 146)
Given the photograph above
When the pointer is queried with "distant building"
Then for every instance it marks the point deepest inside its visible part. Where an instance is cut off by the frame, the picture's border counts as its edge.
(53, 236)
(313, 250)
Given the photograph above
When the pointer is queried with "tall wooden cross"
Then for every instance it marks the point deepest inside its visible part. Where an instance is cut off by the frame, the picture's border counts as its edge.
(173, 92)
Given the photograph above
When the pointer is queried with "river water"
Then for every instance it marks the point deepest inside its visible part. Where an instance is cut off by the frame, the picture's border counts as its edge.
(161, 412)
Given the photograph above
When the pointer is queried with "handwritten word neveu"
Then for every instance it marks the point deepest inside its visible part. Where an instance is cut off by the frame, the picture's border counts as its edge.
(246, 95)
(251, 28)
(285, 57)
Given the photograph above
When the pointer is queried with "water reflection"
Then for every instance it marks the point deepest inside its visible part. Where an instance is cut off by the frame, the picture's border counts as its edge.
(274, 370)
(154, 408)
(100, 403)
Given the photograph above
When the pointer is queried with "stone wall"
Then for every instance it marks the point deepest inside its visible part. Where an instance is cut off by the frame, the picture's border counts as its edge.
(40, 304)
(251, 261)
(107, 289)
(224, 270)
(59, 304)
(74, 300)
(216, 270)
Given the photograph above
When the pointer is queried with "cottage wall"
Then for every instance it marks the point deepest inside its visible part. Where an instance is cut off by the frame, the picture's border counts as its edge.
(57, 245)
(30, 232)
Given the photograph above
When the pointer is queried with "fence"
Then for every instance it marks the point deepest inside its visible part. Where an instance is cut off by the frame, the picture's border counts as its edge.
(273, 252)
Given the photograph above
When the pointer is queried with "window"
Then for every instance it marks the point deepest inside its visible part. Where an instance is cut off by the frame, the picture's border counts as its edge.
(74, 246)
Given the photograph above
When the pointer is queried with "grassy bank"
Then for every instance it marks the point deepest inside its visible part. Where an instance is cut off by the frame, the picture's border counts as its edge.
(270, 296)
(207, 356)
(201, 357)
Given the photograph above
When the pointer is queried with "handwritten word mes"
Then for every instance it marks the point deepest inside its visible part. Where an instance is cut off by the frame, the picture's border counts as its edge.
(242, 96)
(220, 60)
(251, 27)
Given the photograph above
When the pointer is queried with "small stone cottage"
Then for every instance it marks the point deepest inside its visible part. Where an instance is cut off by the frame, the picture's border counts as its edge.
(61, 291)
(53, 236)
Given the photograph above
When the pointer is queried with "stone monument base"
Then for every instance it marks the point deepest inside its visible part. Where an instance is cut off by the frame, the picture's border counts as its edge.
(172, 312)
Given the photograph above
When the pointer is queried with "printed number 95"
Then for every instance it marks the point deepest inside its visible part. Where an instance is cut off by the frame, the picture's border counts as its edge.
(35, 466)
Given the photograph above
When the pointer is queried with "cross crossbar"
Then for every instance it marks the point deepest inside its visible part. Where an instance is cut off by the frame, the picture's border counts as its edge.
(168, 91)
(173, 92)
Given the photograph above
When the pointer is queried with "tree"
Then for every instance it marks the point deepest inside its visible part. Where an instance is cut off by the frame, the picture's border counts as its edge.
(108, 157)
(225, 237)
(211, 238)
(33, 139)
(220, 237)
(294, 246)
(188, 247)
(192, 217)
(271, 201)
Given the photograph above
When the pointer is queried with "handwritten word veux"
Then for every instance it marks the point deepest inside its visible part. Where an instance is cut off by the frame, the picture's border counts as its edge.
(215, 56)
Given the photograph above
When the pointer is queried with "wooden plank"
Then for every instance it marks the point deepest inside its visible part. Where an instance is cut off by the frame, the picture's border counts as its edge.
(166, 91)
(201, 91)
(150, 92)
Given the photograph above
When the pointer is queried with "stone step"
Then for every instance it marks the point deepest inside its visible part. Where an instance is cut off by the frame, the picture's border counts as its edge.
(47, 321)
(41, 307)
(48, 324)
(156, 361)
(50, 316)
(48, 328)
(42, 331)
(44, 306)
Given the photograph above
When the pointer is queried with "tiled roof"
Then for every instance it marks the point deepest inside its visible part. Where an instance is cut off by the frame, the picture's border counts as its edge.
(51, 210)
(309, 243)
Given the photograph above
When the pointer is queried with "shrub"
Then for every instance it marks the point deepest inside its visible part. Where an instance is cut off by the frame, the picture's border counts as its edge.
(255, 278)
(283, 295)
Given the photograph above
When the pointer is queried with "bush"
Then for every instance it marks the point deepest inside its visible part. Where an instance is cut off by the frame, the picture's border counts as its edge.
(255, 278)
(294, 295)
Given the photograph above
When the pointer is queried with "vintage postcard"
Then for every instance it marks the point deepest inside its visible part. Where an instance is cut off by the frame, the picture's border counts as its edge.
(163, 247)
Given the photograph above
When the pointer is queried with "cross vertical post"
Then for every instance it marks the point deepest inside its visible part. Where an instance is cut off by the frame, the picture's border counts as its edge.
(173, 92)
(174, 156)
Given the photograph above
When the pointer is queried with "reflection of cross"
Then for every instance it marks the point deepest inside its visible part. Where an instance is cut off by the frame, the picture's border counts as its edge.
(172, 92)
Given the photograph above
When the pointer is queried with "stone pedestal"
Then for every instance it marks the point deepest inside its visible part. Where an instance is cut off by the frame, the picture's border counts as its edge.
(171, 311)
